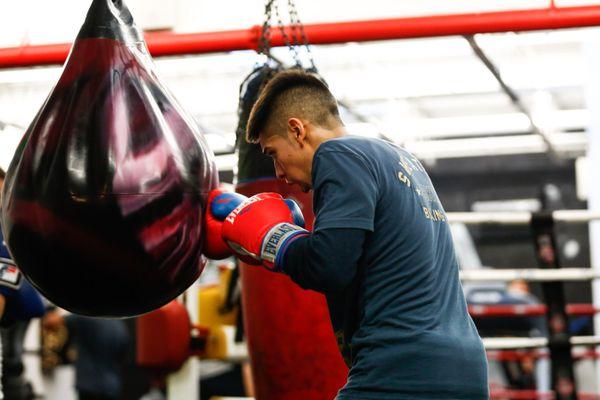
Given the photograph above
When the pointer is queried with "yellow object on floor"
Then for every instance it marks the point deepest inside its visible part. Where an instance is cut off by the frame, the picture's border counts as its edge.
(219, 321)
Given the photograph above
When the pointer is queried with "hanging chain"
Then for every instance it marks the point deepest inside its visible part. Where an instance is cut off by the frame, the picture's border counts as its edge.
(264, 46)
(297, 25)
(295, 33)
(284, 35)
(298, 34)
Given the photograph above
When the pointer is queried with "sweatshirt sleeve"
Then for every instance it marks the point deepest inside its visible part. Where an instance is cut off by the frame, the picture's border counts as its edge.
(325, 261)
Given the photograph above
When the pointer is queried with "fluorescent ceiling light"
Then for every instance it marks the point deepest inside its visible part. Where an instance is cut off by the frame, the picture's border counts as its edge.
(482, 125)
(568, 144)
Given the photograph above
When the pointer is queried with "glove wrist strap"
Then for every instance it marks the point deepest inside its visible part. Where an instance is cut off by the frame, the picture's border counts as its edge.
(275, 241)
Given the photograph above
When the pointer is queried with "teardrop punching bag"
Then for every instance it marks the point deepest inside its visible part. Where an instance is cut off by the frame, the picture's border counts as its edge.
(103, 202)
(292, 347)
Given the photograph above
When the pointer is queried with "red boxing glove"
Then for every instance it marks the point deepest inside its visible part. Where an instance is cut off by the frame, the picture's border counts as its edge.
(261, 228)
(220, 203)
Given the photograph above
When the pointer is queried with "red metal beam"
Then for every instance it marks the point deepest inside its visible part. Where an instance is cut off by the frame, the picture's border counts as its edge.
(339, 32)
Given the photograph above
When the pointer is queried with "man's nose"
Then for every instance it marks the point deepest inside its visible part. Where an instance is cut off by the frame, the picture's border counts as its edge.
(279, 172)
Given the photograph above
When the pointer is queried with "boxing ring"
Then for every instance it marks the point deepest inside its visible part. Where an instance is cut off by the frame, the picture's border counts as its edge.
(564, 350)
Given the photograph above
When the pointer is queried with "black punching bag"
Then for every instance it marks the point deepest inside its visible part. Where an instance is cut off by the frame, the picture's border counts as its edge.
(103, 202)
(252, 163)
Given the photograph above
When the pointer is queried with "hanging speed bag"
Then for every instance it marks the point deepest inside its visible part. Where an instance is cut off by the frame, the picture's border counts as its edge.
(103, 202)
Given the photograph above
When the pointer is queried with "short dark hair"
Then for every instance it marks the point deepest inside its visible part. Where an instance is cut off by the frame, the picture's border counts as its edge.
(293, 92)
(2, 174)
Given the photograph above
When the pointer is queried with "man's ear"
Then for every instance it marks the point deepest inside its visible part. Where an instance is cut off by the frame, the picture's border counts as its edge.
(297, 130)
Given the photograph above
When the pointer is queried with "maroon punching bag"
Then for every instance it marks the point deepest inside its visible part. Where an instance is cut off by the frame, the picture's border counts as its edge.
(103, 202)
(292, 347)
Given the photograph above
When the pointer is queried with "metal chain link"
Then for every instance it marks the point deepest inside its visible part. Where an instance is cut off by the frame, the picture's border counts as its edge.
(284, 34)
(296, 24)
(298, 33)
(294, 21)
(264, 46)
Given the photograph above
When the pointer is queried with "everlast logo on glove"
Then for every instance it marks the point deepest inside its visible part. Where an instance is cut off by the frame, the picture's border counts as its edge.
(242, 207)
(275, 238)
(261, 228)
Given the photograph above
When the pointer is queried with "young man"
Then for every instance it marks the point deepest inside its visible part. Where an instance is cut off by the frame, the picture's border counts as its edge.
(381, 249)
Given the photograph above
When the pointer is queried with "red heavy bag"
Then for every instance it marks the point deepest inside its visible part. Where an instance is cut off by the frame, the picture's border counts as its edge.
(163, 339)
(103, 202)
(292, 347)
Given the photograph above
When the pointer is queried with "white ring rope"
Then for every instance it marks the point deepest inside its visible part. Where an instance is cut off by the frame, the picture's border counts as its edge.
(528, 274)
(507, 343)
(519, 217)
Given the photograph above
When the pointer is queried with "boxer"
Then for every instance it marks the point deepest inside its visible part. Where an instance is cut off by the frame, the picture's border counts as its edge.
(381, 249)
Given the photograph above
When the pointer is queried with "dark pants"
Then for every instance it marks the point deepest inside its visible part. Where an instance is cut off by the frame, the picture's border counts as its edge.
(93, 396)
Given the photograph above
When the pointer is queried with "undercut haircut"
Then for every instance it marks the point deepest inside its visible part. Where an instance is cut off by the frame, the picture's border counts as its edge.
(292, 93)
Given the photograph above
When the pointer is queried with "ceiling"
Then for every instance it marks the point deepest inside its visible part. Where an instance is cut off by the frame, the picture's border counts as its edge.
(432, 95)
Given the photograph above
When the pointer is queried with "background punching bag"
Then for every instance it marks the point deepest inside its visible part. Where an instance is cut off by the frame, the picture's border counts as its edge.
(103, 202)
(292, 347)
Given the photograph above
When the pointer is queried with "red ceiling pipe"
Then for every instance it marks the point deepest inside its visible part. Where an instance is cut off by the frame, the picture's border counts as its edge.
(338, 32)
